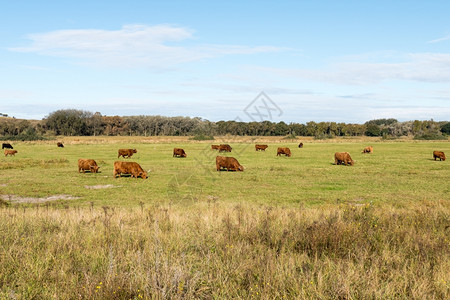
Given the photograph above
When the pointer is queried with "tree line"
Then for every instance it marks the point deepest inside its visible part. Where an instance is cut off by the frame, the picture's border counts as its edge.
(72, 122)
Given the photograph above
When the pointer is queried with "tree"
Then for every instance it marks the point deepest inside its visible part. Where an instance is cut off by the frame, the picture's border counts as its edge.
(373, 130)
(446, 128)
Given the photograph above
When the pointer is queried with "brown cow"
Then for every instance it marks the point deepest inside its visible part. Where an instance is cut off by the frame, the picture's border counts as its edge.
(439, 154)
(229, 163)
(368, 149)
(126, 152)
(224, 148)
(179, 152)
(59, 144)
(284, 150)
(10, 152)
(87, 165)
(300, 145)
(214, 147)
(261, 147)
(128, 167)
(343, 158)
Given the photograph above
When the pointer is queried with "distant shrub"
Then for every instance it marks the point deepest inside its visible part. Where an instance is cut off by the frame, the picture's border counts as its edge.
(290, 136)
(430, 136)
(29, 135)
(201, 137)
(323, 136)
(386, 136)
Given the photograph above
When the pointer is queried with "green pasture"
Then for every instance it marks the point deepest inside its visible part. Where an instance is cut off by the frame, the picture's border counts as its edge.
(397, 172)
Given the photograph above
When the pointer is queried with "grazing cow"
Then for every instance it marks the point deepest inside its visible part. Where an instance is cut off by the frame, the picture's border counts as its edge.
(10, 152)
(343, 158)
(224, 148)
(126, 152)
(214, 147)
(368, 149)
(261, 147)
(179, 152)
(128, 167)
(229, 163)
(284, 150)
(439, 154)
(7, 146)
(300, 145)
(87, 165)
(59, 144)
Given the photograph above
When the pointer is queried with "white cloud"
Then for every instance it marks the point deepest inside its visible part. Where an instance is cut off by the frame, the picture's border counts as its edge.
(423, 67)
(131, 46)
(439, 40)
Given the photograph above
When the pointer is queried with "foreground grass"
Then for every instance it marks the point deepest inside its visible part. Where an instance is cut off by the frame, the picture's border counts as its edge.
(217, 250)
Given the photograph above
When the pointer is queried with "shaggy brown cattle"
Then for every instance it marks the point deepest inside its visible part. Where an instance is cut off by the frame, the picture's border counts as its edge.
(128, 167)
(300, 145)
(343, 158)
(439, 154)
(10, 152)
(284, 150)
(126, 152)
(368, 149)
(59, 144)
(224, 148)
(87, 165)
(214, 147)
(7, 146)
(229, 163)
(179, 152)
(261, 147)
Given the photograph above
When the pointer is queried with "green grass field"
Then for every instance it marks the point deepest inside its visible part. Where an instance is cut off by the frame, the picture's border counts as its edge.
(397, 172)
(285, 228)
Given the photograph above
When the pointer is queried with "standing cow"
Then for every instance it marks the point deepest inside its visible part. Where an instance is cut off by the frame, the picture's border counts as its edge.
(10, 152)
(439, 154)
(300, 145)
(7, 146)
(87, 165)
(179, 152)
(59, 144)
(343, 158)
(225, 148)
(126, 152)
(229, 163)
(284, 150)
(261, 147)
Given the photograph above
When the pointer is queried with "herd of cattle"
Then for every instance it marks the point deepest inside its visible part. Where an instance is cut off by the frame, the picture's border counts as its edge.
(222, 162)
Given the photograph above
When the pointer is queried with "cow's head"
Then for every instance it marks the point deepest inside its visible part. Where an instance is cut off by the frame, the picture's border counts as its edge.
(134, 151)
(352, 162)
(143, 175)
(240, 168)
(184, 155)
(94, 169)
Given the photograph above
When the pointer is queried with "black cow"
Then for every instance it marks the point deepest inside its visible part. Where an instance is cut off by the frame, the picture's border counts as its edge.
(7, 146)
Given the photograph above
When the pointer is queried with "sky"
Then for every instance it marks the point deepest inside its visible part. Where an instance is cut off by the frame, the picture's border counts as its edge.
(292, 61)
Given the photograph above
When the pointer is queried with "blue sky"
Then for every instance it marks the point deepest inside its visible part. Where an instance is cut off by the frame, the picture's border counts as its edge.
(343, 61)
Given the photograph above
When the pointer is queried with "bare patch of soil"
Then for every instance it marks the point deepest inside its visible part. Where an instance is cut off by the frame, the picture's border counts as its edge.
(99, 186)
(19, 199)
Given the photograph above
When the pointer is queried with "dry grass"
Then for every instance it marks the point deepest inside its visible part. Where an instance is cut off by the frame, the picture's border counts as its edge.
(213, 250)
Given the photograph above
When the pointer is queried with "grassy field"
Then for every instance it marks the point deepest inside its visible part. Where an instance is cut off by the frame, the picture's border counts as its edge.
(397, 172)
(285, 228)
